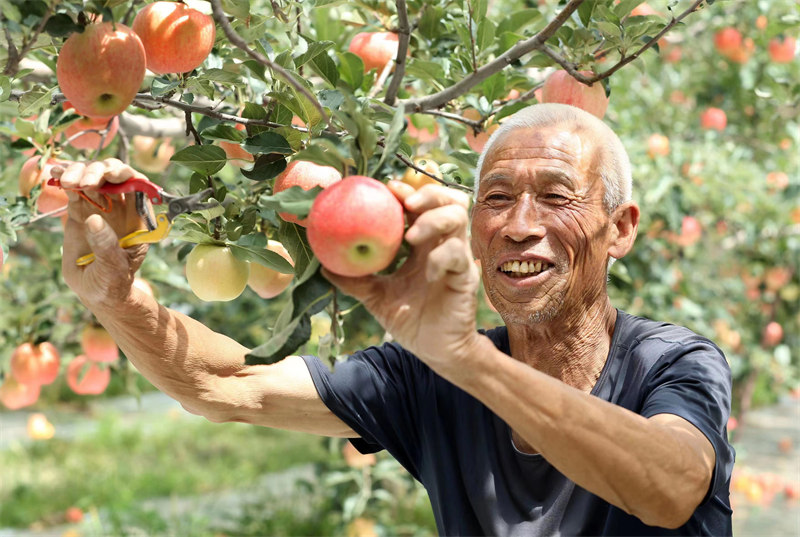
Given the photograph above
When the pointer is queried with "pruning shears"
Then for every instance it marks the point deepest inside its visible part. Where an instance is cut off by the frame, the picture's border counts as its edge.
(156, 229)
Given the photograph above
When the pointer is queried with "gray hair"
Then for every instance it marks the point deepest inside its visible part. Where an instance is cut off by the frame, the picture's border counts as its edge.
(614, 164)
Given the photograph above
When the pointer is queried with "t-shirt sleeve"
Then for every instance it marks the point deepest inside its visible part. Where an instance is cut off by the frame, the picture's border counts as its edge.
(693, 381)
(374, 392)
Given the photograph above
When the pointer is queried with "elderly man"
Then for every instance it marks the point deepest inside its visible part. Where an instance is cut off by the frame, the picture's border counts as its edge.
(574, 418)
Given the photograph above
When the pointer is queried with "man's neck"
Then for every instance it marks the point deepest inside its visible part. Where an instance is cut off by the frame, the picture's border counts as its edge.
(572, 347)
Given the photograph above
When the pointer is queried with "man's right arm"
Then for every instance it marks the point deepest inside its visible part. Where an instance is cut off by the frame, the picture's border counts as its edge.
(204, 370)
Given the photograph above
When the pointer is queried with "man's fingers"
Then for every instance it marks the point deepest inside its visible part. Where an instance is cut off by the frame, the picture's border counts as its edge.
(432, 196)
(438, 223)
(452, 257)
(105, 244)
(72, 175)
(118, 172)
(358, 288)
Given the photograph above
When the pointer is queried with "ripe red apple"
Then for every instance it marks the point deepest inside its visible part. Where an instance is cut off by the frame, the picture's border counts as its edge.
(101, 69)
(417, 179)
(306, 175)
(782, 50)
(90, 140)
(236, 153)
(98, 345)
(39, 427)
(375, 49)
(35, 364)
(642, 10)
(73, 515)
(727, 41)
(657, 145)
(85, 377)
(691, 231)
(151, 154)
(50, 198)
(713, 118)
(176, 38)
(15, 395)
(560, 87)
(214, 274)
(355, 226)
(266, 282)
(772, 334)
(761, 22)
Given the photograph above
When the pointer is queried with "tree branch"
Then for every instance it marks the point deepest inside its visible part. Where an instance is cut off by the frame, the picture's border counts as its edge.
(236, 39)
(536, 42)
(404, 31)
(402, 158)
(14, 56)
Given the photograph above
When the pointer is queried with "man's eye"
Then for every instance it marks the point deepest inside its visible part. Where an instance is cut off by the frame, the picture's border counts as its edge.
(497, 197)
(554, 196)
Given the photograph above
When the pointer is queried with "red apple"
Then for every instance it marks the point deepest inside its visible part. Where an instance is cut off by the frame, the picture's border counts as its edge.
(98, 345)
(267, 282)
(85, 377)
(355, 226)
(306, 175)
(777, 180)
(176, 38)
(236, 153)
(782, 50)
(560, 87)
(713, 118)
(642, 10)
(727, 41)
(215, 274)
(151, 154)
(691, 231)
(15, 395)
(772, 335)
(101, 69)
(428, 130)
(375, 49)
(73, 515)
(761, 22)
(90, 140)
(35, 364)
(50, 198)
(657, 145)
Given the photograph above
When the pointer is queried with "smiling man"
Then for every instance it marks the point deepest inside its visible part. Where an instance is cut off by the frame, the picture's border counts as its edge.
(574, 418)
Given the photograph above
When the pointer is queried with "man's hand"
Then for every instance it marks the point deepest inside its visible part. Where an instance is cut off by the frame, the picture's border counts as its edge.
(108, 280)
(429, 304)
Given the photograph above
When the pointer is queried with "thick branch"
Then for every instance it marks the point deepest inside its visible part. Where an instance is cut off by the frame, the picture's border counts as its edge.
(536, 42)
(402, 158)
(404, 31)
(14, 56)
(236, 39)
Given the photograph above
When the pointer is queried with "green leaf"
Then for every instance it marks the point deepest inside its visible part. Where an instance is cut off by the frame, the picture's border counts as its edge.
(314, 50)
(518, 20)
(266, 167)
(34, 101)
(609, 28)
(267, 142)
(430, 24)
(203, 159)
(351, 69)
(224, 132)
(221, 76)
(485, 37)
(318, 154)
(494, 87)
(585, 12)
(161, 86)
(326, 68)
(5, 88)
(293, 200)
(479, 8)
(61, 25)
(425, 70)
(293, 238)
(309, 294)
(391, 139)
(624, 7)
(262, 256)
(282, 343)
(240, 9)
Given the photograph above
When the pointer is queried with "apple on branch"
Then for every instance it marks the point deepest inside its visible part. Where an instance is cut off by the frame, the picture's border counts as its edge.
(90, 140)
(101, 69)
(561, 87)
(375, 49)
(267, 282)
(306, 175)
(215, 274)
(355, 226)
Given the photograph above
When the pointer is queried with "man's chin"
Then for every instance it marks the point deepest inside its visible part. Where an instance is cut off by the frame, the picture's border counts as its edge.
(528, 314)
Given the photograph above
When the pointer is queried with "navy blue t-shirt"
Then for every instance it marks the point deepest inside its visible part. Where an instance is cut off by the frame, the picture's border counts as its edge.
(479, 483)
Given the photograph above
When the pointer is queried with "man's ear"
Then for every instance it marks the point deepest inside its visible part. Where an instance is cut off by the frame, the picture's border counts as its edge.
(625, 225)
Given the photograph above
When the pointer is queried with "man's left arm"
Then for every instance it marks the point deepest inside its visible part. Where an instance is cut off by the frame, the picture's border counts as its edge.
(658, 469)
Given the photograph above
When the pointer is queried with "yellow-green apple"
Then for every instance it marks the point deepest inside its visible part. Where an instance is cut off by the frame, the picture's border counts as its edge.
(101, 69)
(98, 345)
(782, 50)
(418, 179)
(15, 395)
(561, 87)
(375, 49)
(772, 335)
(306, 175)
(713, 118)
(39, 427)
(151, 154)
(355, 226)
(476, 142)
(267, 282)
(176, 37)
(85, 377)
(35, 364)
(90, 140)
(215, 274)
(236, 154)
(657, 145)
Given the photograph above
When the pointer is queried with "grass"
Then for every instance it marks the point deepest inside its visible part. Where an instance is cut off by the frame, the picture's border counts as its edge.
(118, 466)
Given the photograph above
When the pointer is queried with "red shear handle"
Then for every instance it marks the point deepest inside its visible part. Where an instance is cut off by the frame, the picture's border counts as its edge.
(134, 184)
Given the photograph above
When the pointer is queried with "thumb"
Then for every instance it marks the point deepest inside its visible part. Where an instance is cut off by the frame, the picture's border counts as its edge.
(105, 243)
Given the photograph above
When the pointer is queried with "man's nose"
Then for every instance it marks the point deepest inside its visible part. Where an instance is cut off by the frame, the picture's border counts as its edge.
(524, 220)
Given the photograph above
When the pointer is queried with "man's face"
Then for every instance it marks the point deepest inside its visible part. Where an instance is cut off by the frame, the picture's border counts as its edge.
(540, 204)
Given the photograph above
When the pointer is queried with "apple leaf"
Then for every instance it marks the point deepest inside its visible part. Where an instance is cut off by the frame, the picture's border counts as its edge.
(61, 25)
(326, 68)
(314, 49)
(351, 69)
(293, 238)
(293, 200)
(266, 167)
(34, 101)
(392, 139)
(161, 86)
(262, 256)
(240, 9)
(203, 159)
(224, 132)
(267, 142)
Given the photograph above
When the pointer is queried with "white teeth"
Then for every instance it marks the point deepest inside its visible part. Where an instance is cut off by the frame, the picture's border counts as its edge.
(515, 266)
(523, 267)
(538, 266)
